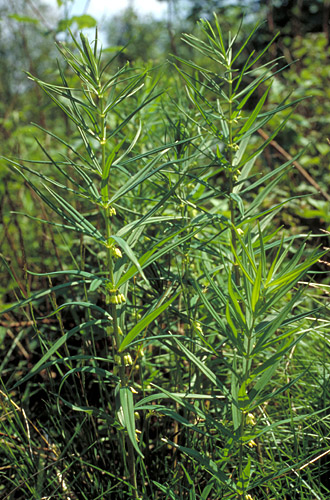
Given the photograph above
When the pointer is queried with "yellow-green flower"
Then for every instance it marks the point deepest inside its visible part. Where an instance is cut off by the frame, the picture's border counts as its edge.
(250, 420)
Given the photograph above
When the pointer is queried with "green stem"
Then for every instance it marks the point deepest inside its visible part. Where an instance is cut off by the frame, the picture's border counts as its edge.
(241, 496)
(112, 307)
(231, 173)
(241, 456)
(247, 371)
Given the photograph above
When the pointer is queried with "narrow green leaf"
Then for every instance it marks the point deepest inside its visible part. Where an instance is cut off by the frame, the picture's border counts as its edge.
(95, 370)
(144, 322)
(236, 197)
(272, 395)
(90, 410)
(192, 492)
(130, 254)
(207, 490)
(157, 252)
(299, 271)
(234, 300)
(179, 418)
(95, 284)
(275, 322)
(210, 309)
(222, 45)
(235, 338)
(139, 177)
(133, 269)
(204, 369)
(181, 399)
(242, 397)
(71, 148)
(236, 412)
(243, 481)
(127, 406)
(263, 380)
(38, 295)
(256, 288)
(254, 115)
(39, 365)
(71, 272)
(206, 462)
(264, 178)
(264, 51)
(246, 41)
(239, 79)
(166, 489)
(265, 144)
(76, 216)
(240, 264)
(273, 264)
(88, 305)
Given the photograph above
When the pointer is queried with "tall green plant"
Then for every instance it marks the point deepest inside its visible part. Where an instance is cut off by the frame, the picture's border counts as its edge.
(152, 218)
(101, 177)
(252, 296)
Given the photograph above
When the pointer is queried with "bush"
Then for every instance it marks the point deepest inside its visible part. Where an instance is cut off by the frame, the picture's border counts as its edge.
(168, 353)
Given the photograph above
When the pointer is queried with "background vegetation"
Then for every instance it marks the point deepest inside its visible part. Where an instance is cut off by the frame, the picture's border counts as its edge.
(225, 378)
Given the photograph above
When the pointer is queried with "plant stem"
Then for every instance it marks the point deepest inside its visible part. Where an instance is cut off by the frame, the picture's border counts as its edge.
(241, 453)
(231, 173)
(241, 496)
(111, 306)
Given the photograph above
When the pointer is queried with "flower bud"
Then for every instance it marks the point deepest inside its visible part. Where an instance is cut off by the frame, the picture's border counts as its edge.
(128, 360)
(250, 420)
(117, 253)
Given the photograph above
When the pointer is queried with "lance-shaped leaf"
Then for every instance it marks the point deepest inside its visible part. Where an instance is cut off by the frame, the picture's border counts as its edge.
(130, 254)
(243, 481)
(128, 417)
(204, 369)
(88, 305)
(144, 322)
